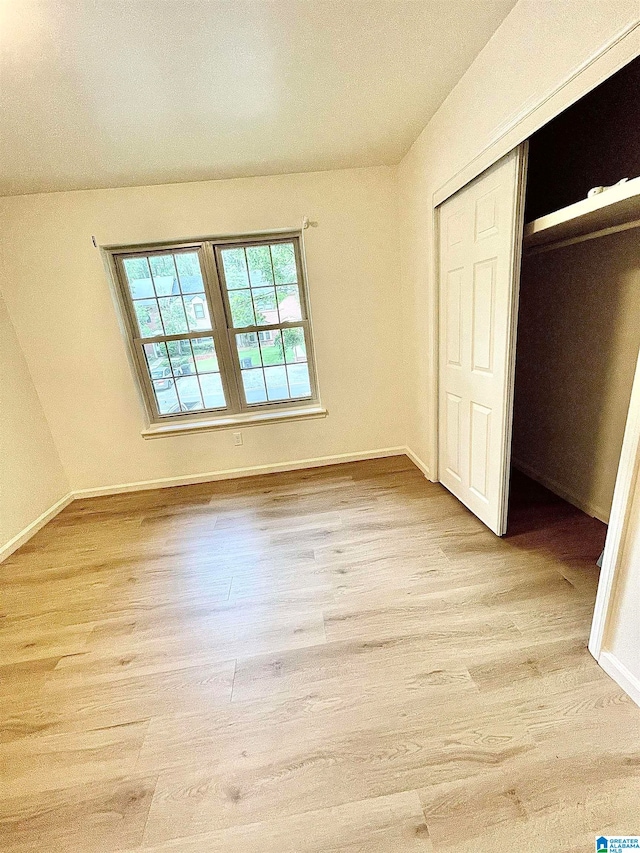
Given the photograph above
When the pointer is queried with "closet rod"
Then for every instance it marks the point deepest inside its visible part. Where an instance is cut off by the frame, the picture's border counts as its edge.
(581, 238)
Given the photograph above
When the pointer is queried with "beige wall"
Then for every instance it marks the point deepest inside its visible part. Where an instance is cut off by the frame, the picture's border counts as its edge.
(31, 475)
(578, 340)
(57, 293)
(525, 64)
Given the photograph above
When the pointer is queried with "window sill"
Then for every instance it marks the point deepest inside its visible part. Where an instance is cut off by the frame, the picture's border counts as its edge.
(230, 421)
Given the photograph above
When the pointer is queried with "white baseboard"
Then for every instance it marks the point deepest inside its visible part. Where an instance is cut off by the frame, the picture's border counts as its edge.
(232, 473)
(558, 489)
(31, 529)
(192, 479)
(621, 675)
(418, 462)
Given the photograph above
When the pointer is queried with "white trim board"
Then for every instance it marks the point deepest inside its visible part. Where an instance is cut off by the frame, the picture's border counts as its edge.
(233, 473)
(192, 479)
(623, 677)
(615, 543)
(417, 461)
(610, 57)
(31, 529)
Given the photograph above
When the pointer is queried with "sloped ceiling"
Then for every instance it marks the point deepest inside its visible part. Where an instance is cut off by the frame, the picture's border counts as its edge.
(125, 92)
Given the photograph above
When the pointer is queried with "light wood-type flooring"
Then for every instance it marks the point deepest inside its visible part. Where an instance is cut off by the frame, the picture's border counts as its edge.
(342, 659)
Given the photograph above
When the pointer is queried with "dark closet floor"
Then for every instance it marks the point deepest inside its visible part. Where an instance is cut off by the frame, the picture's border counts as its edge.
(546, 522)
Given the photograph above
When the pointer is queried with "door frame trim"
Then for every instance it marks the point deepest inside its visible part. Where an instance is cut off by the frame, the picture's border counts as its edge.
(586, 76)
(615, 545)
(434, 322)
(510, 378)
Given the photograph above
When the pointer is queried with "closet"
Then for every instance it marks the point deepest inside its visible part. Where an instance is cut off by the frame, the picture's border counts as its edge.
(578, 327)
(539, 310)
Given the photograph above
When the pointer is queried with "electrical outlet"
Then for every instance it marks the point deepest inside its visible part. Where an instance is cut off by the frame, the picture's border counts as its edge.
(237, 439)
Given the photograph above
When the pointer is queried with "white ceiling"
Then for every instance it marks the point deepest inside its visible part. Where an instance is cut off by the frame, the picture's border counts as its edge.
(104, 93)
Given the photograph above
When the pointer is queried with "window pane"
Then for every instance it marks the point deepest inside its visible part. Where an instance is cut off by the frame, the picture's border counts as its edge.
(166, 397)
(277, 386)
(189, 272)
(138, 278)
(294, 345)
(181, 358)
(148, 317)
(158, 362)
(259, 260)
(241, 309)
(299, 381)
(284, 263)
(205, 353)
(265, 306)
(197, 312)
(248, 350)
(189, 393)
(212, 391)
(173, 317)
(235, 268)
(254, 387)
(169, 299)
(163, 270)
(289, 303)
(271, 348)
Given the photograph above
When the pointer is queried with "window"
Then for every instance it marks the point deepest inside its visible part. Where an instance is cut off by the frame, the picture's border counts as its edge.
(220, 327)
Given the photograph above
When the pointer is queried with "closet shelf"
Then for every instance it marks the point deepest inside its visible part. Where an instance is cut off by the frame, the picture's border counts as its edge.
(608, 210)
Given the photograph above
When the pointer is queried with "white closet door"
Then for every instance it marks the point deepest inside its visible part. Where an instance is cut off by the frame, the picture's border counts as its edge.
(480, 246)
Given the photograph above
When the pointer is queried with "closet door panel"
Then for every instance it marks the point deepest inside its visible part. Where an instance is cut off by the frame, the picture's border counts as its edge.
(452, 418)
(480, 243)
(483, 315)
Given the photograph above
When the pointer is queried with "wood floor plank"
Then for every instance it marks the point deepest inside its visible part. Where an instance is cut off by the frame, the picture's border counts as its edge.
(259, 729)
(398, 661)
(97, 818)
(42, 763)
(286, 778)
(86, 704)
(341, 659)
(381, 825)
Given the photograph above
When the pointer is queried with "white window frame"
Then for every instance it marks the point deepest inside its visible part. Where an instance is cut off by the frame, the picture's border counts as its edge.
(237, 410)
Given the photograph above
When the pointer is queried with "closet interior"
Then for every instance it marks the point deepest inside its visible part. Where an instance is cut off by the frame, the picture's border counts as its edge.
(579, 309)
